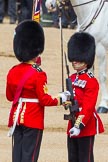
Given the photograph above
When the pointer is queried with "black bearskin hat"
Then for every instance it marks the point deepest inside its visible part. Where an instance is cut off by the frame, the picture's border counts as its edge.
(81, 47)
(28, 41)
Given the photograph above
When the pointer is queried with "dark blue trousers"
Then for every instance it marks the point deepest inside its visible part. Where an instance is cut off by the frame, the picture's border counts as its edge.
(11, 9)
(27, 142)
(80, 149)
(25, 10)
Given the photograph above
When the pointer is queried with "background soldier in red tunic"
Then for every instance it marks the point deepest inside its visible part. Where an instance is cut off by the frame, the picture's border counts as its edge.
(81, 135)
(27, 114)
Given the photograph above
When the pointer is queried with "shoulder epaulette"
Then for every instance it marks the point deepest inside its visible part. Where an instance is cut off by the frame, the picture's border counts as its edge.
(90, 74)
(37, 67)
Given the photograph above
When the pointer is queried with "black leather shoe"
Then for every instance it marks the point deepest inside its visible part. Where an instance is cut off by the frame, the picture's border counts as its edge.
(64, 26)
(102, 110)
(1, 21)
(12, 21)
(72, 26)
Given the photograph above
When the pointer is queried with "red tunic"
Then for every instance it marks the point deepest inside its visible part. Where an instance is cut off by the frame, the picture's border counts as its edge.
(86, 87)
(31, 114)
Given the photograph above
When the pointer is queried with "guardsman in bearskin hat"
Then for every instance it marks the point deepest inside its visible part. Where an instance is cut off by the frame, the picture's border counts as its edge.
(27, 88)
(81, 135)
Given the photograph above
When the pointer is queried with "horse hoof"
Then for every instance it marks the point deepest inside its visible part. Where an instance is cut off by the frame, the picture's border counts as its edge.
(102, 110)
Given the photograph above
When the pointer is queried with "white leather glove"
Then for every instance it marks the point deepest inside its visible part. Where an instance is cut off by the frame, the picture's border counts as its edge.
(50, 4)
(65, 96)
(74, 131)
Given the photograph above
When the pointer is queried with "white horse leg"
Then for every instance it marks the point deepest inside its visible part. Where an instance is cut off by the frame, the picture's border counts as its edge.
(102, 64)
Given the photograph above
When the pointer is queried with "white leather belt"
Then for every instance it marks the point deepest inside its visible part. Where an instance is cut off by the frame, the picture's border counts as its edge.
(28, 100)
(21, 100)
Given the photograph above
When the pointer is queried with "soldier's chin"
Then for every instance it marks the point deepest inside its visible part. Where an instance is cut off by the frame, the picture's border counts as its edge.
(78, 66)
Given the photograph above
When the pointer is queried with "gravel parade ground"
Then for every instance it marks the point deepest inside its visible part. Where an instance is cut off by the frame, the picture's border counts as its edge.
(53, 148)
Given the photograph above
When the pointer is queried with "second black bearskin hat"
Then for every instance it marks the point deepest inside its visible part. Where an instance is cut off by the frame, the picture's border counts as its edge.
(81, 47)
(28, 41)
